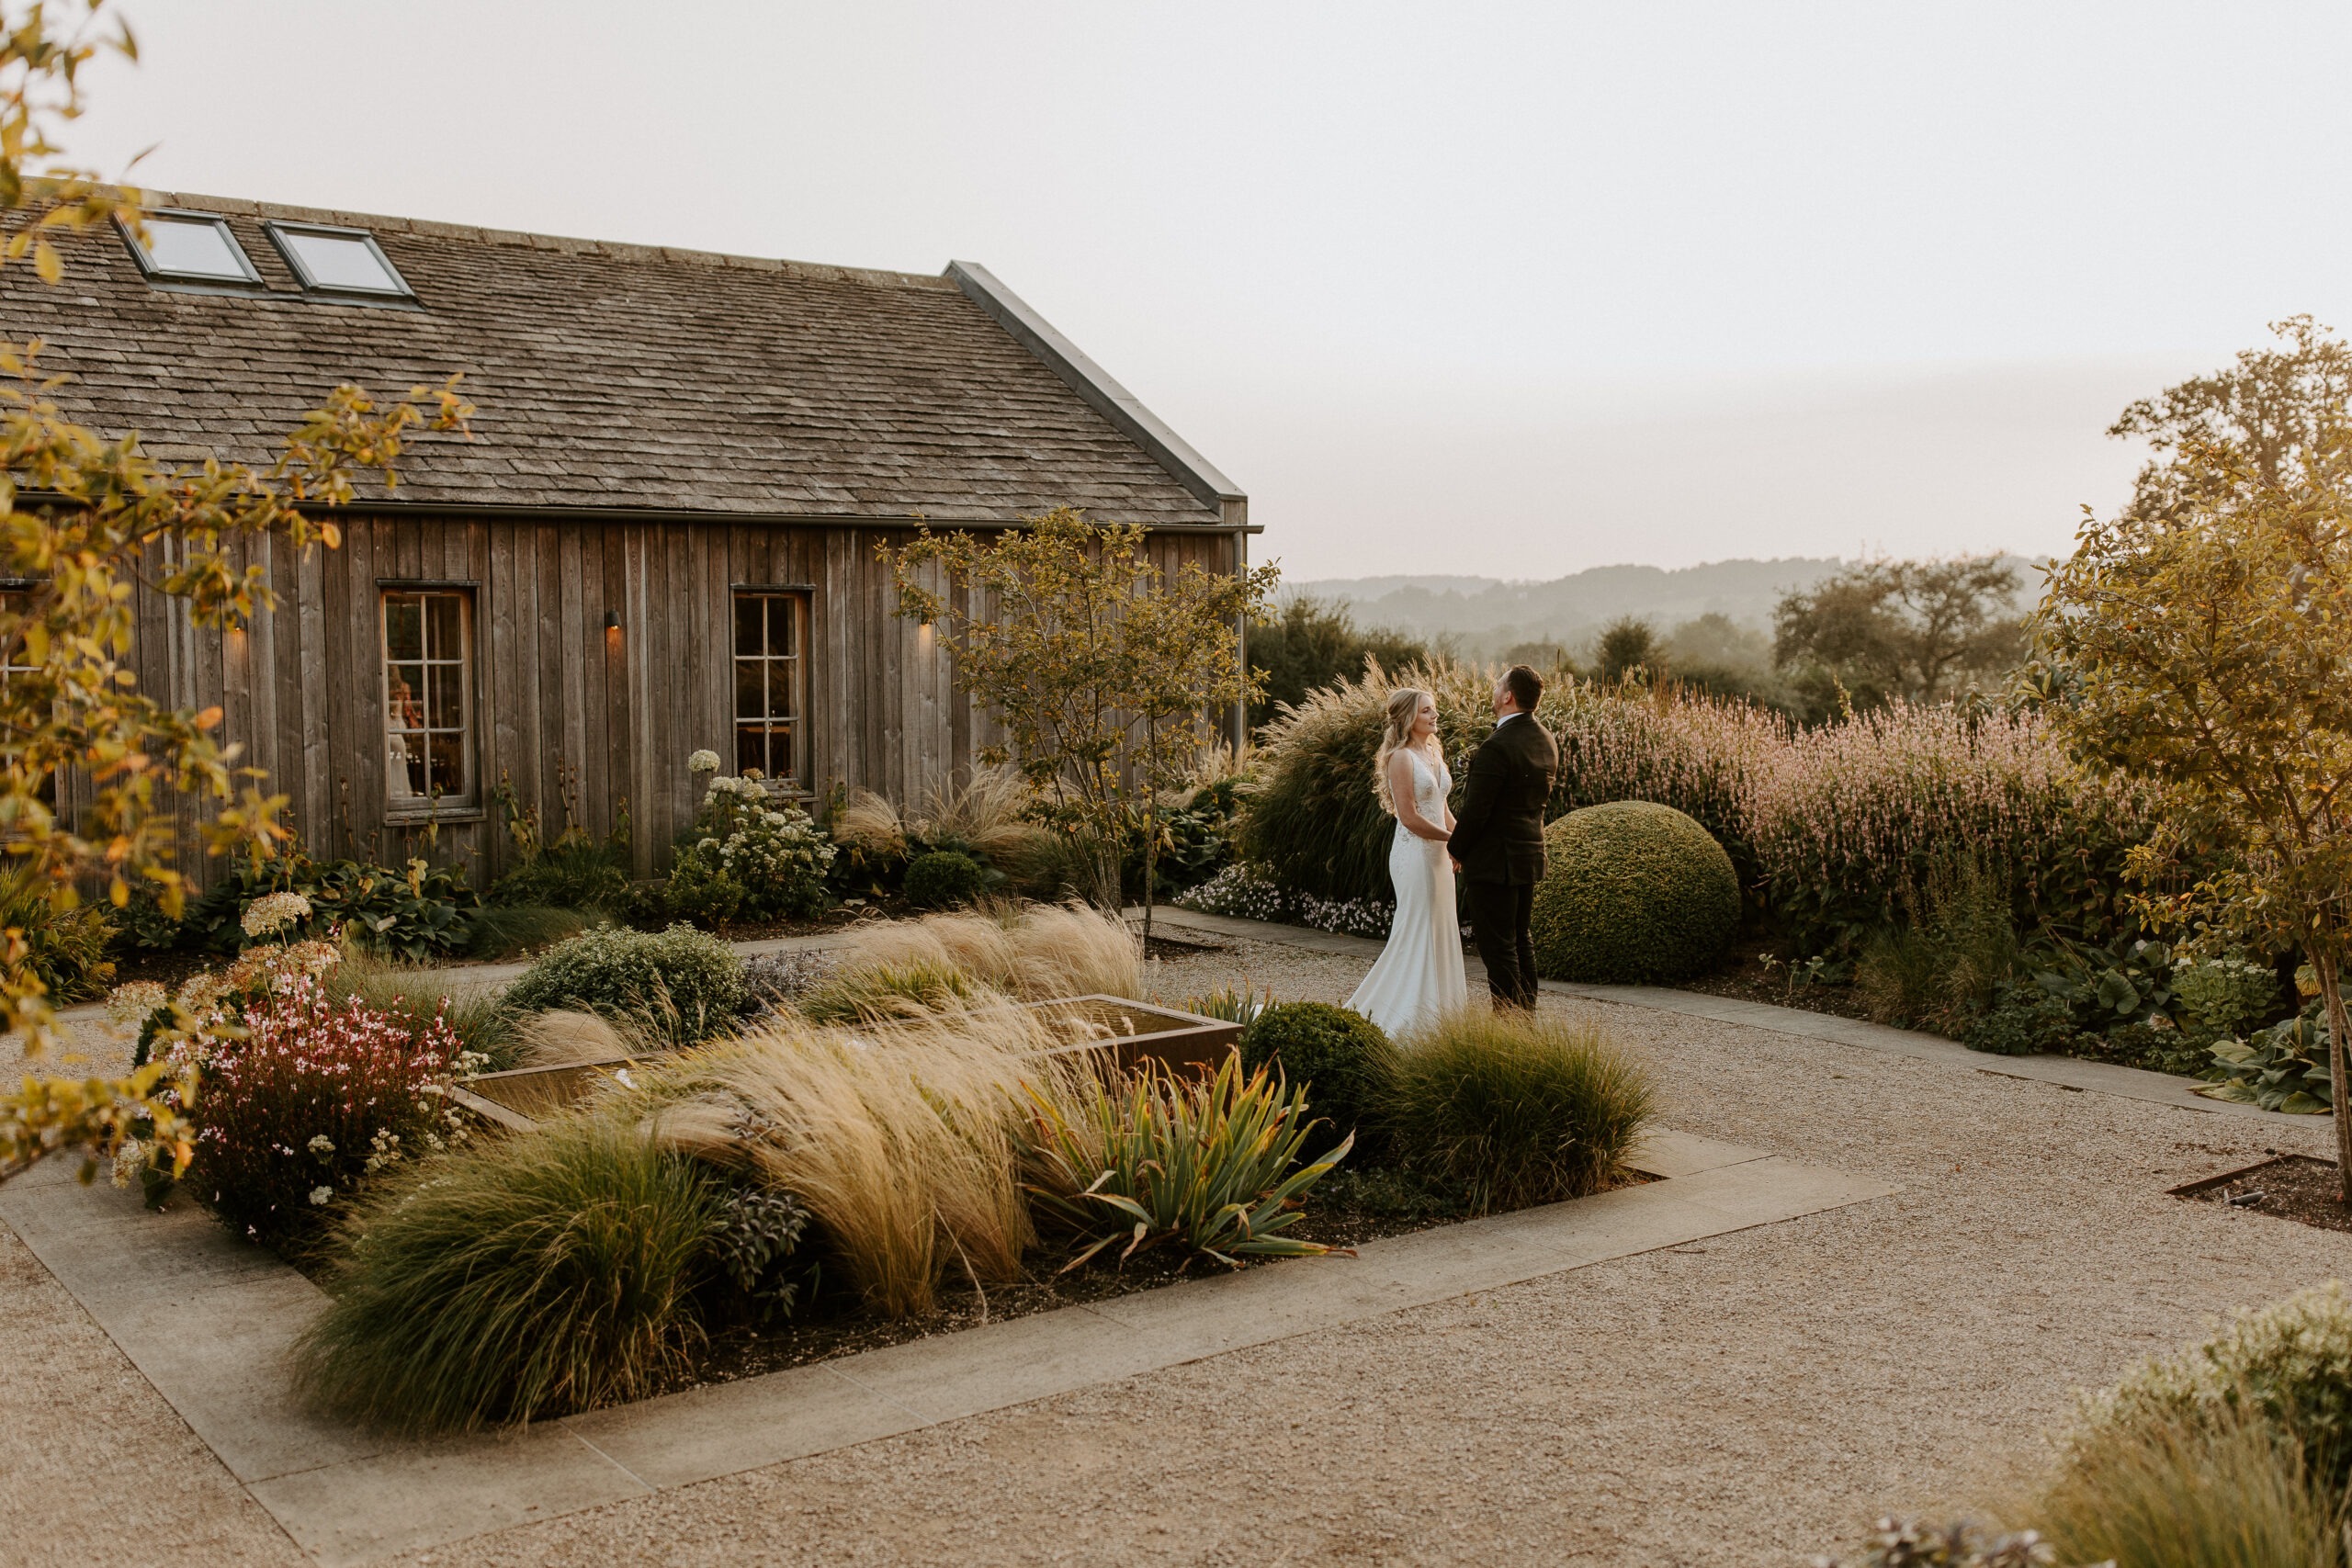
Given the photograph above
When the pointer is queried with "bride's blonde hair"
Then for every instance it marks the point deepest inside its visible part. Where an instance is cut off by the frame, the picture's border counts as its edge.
(1397, 735)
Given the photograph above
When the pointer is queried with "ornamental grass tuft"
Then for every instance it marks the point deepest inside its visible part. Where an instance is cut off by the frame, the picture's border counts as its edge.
(517, 1279)
(1515, 1109)
(1034, 952)
(2236, 1492)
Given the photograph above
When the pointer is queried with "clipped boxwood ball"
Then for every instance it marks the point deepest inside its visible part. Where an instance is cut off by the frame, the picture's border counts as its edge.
(1342, 1057)
(944, 879)
(1634, 891)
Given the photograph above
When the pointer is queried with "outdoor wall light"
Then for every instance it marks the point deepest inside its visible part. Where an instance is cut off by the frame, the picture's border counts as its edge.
(611, 623)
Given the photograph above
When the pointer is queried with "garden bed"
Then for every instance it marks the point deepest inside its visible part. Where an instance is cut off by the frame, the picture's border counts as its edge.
(2290, 1187)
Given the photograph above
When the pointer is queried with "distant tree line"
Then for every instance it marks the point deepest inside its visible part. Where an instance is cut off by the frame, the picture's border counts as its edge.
(1921, 631)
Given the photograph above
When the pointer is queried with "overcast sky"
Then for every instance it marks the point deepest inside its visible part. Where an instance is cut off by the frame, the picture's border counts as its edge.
(1500, 289)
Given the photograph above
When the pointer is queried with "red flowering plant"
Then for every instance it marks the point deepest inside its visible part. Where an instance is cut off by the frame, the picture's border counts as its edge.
(307, 1098)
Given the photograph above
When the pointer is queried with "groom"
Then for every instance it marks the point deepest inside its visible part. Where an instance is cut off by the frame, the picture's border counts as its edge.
(1497, 844)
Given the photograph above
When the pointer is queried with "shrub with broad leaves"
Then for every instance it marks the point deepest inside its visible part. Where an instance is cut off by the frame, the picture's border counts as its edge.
(315, 1097)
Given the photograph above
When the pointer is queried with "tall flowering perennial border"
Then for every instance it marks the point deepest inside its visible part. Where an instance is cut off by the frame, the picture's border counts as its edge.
(311, 1099)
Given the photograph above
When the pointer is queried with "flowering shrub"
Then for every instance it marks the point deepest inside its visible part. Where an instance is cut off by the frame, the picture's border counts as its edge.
(1246, 891)
(681, 984)
(746, 859)
(311, 1100)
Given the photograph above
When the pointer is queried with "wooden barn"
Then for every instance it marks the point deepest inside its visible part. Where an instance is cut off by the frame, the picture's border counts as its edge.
(660, 537)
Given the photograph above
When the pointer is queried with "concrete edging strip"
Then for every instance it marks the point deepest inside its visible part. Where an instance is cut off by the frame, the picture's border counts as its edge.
(209, 1320)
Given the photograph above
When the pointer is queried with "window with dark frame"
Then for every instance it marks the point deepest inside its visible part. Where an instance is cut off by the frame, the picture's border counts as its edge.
(189, 247)
(428, 699)
(330, 260)
(771, 690)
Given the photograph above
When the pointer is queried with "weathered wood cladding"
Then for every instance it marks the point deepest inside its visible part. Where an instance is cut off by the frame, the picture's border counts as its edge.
(302, 691)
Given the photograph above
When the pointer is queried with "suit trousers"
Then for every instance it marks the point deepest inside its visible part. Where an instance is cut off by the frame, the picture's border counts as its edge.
(1502, 918)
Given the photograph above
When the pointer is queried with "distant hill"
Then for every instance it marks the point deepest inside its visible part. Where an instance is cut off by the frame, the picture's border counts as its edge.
(1484, 615)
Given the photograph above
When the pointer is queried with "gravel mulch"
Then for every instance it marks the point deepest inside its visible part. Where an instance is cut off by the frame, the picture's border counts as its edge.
(1748, 1400)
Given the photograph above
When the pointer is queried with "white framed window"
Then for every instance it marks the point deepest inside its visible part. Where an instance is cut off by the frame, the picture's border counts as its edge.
(428, 699)
(771, 684)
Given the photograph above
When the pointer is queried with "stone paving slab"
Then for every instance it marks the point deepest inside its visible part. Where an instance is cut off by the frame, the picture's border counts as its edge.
(213, 1322)
(2062, 1072)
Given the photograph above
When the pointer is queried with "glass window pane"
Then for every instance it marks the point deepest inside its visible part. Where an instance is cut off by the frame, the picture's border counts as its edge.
(404, 697)
(780, 761)
(444, 635)
(403, 626)
(747, 623)
(405, 765)
(197, 246)
(445, 697)
(340, 261)
(751, 749)
(442, 774)
(783, 626)
(751, 698)
(783, 701)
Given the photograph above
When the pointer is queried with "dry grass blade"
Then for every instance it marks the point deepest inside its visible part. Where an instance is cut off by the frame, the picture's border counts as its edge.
(867, 821)
(1035, 953)
(566, 1039)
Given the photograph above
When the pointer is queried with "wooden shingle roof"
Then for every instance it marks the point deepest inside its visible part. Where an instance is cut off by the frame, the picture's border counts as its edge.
(619, 376)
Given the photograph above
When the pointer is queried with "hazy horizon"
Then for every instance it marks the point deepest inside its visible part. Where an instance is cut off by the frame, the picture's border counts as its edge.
(1508, 290)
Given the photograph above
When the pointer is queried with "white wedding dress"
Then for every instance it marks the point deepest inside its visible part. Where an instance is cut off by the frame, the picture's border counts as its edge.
(1419, 974)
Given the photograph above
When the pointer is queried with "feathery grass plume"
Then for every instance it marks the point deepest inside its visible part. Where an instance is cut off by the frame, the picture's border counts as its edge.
(1035, 953)
(878, 992)
(869, 822)
(1940, 971)
(984, 812)
(1212, 1167)
(1516, 1109)
(903, 1140)
(566, 1039)
(415, 996)
(515, 1279)
(2232, 1492)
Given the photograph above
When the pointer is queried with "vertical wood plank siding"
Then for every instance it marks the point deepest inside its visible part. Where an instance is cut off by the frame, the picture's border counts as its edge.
(302, 691)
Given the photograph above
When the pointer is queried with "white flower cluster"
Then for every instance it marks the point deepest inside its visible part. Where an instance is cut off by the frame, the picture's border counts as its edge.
(1247, 892)
(131, 1004)
(753, 857)
(704, 762)
(271, 910)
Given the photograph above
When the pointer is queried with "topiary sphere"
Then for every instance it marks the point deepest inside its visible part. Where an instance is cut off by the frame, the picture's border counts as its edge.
(1341, 1056)
(1636, 891)
(944, 879)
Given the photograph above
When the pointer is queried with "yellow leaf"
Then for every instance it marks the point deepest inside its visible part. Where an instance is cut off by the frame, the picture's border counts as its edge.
(46, 263)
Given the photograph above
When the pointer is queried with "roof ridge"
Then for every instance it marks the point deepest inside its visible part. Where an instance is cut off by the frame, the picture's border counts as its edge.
(241, 207)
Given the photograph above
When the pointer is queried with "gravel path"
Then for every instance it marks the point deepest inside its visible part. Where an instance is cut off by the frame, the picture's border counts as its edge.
(1747, 1400)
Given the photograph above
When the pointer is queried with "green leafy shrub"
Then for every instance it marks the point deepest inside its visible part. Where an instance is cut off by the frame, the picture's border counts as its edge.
(944, 879)
(2222, 997)
(2114, 985)
(66, 948)
(516, 1278)
(680, 984)
(2283, 1067)
(755, 1242)
(1516, 1109)
(422, 913)
(746, 859)
(1195, 840)
(1341, 1061)
(1636, 891)
(1212, 1165)
(2290, 1364)
(2024, 1019)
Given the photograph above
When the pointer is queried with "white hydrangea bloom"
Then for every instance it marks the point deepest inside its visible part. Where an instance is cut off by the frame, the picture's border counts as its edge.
(704, 762)
(133, 1002)
(266, 913)
(322, 1196)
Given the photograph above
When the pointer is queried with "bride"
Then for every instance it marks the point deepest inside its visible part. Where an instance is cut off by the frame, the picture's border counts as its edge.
(1419, 974)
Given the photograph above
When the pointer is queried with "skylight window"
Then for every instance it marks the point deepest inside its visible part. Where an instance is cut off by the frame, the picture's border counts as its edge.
(338, 260)
(191, 247)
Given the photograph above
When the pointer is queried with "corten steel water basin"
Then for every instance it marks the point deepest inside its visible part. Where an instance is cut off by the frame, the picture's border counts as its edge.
(1129, 1032)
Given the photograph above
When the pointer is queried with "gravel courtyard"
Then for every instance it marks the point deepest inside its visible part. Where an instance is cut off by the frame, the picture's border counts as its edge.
(1748, 1400)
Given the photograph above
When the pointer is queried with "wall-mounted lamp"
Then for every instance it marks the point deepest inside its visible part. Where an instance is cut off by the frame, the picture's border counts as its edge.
(612, 624)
